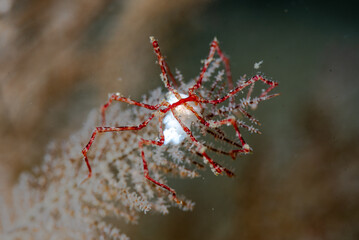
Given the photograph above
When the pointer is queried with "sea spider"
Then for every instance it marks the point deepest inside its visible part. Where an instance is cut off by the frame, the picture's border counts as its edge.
(186, 108)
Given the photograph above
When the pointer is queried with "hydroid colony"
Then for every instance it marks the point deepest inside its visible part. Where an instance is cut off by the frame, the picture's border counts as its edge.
(132, 162)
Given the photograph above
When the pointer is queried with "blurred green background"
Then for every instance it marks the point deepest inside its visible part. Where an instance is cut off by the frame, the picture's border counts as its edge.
(59, 59)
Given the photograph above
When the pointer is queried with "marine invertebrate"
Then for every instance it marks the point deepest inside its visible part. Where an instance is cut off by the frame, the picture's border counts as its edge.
(182, 108)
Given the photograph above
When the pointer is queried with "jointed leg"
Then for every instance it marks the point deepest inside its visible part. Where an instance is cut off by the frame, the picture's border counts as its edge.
(209, 59)
(168, 70)
(118, 97)
(233, 122)
(226, 64)
(271, 84)
(254, 79)
(217, 169)
(145, 166)
(110, 129)
(214, 124)
(164, 68)
(245, 147)
(213, 48)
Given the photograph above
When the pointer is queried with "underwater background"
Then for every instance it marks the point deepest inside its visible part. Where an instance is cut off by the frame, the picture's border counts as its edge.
(60, 59)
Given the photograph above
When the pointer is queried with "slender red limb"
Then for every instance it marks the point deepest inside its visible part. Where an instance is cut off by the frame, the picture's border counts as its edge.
(201, 149)
(233, 92)
(245, 147)
(119, 98)
(212, 51)
(110, 129)
(168, 70)
(163, 64)
(218, 168)
(143, 142)
(233, 122)
(213, 149)
(226, 65)
(220, 135)
(213, 48)
(164, 67)
(222, 122)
